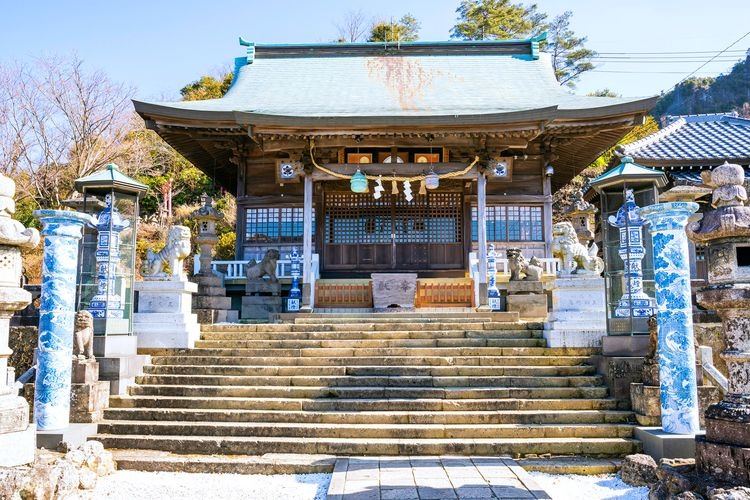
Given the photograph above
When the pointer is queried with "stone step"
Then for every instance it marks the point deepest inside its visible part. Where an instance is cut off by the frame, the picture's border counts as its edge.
(401, 371)
(373, 417)
(313, 352)
(357, 405)
(185, 358)
(367, 344)
(368, 392)
(370, 326)
(379, 335)
(413, 315)
(369, 381)
(209, 445)
(375, 431)
(270, 463)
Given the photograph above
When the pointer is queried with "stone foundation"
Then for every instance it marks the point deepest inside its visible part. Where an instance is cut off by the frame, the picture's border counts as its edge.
(211, 303)
(731, 463)
(262, 299)
(164, 317)
(528, 306)
(646, 401)
(578, 317)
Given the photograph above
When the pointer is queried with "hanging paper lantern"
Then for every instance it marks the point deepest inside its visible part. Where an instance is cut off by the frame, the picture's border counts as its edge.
(358, 183)
(432, 181)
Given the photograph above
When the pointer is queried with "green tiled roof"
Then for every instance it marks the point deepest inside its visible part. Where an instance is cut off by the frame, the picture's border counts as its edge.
(629, 172)
(108, 178)
(415, 80)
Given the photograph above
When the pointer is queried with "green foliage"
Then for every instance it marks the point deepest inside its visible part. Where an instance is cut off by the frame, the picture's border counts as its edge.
(730, 92)
(503, 20)
(224, 249)
(491, 20)
(207, 87)
(603, 93)
(569, 56)
(405, 29)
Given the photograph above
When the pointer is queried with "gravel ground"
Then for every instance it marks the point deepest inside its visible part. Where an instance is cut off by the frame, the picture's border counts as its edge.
(601, 487)
(133, 485)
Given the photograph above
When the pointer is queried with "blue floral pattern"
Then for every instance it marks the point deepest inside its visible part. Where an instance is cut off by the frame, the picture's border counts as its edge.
(679, 393)
(62, 230)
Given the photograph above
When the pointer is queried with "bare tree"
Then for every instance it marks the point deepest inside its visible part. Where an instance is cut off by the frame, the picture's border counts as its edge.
(355, 27)
(57, 123)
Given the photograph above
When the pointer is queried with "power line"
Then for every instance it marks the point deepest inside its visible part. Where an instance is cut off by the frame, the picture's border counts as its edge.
(668, 53)
(640, 72)
(714, 57)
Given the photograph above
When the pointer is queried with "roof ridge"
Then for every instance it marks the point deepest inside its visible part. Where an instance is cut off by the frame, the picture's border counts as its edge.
(702, 117)
(656, 136)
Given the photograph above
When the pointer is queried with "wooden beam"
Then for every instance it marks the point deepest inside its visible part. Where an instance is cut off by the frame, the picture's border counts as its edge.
(387, 169)
(493, 199)
(276, 200)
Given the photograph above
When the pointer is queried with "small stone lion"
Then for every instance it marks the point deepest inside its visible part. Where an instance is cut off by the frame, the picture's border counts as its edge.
(266, 267)
(576, 258)
(83, 336)
(532, 270)
(173, 253)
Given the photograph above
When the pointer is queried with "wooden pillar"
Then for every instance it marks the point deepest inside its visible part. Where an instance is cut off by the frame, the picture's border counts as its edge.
(482, 238)
(547, 191)
(307, 249)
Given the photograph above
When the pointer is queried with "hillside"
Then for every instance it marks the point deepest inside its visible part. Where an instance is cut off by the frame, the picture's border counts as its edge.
(729, 92)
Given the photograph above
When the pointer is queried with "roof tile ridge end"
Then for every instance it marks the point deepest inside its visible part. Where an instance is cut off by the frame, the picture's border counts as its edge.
(656, 136)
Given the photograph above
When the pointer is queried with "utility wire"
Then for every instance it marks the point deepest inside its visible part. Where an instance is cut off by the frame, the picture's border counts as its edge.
(714, 57)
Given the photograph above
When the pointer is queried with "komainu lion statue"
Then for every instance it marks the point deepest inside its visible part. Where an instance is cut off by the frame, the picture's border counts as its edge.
(532, 269)
(266, 267)
(83, 336)
(576, 258)
(173, 253)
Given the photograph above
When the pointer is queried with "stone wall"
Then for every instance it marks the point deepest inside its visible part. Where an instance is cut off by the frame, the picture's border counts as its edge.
(23, 340)
(712, 335)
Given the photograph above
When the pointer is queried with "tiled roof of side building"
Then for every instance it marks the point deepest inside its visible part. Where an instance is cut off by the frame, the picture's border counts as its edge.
(412, 80)
(692, 138)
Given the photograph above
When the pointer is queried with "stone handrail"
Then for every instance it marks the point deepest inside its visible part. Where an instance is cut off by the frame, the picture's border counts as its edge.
(705, 358)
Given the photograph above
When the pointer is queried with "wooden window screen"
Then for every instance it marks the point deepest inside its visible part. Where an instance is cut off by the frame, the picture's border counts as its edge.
(275, 225)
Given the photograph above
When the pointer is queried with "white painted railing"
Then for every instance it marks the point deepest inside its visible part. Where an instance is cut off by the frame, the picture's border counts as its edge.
(235, 269)
(550, 265)
(706, 358)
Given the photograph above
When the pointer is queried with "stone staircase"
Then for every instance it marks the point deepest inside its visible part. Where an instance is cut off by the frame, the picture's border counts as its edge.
(363, 384)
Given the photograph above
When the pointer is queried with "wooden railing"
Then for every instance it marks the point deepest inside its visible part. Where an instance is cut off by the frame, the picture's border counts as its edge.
(444, 292)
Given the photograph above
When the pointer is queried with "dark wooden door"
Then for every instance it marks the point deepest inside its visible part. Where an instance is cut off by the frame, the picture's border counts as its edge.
(365, 234)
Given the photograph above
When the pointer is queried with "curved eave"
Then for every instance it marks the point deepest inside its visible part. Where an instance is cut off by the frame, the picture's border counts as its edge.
(230, 118)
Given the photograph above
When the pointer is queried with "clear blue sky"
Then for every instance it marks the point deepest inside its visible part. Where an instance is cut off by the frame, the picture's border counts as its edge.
(160, 45)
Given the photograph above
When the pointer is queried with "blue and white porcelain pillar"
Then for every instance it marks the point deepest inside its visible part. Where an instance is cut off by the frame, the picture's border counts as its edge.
(677, 373)
(62, 231)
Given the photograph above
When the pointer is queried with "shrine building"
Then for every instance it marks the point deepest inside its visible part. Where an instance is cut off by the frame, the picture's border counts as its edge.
(380, 157)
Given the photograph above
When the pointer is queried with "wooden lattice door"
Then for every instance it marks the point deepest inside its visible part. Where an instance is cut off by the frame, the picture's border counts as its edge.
(365, 234)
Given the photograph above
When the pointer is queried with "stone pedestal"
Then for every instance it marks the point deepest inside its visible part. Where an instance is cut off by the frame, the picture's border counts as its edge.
(262, 299)
(394, 289)
(211, 303)
(527, 298)
(578, 317)
(89, 396)
(164, 318)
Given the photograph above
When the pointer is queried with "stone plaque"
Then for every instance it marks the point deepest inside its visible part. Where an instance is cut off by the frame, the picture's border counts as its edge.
(394, 289)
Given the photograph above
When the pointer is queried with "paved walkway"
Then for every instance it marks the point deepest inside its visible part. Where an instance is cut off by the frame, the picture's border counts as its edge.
(430, 478)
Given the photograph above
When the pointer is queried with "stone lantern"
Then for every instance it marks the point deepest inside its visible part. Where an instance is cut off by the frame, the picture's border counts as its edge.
(725, 449)
(17, 437)
(211, 303)
(581, 213)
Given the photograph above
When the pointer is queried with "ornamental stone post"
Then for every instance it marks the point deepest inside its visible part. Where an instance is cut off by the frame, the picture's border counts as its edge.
(677, 375)
(62, 231)
(17, 437)
(634, 301)
(725, 449)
